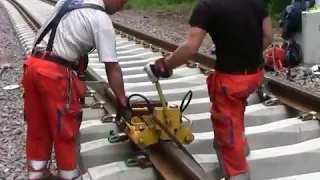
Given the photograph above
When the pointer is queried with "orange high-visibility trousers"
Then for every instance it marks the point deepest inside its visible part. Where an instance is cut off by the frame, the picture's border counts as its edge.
(228, 94)
(45, 86)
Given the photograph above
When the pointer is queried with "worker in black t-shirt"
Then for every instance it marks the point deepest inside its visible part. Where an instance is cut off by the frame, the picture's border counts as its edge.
(241, 30)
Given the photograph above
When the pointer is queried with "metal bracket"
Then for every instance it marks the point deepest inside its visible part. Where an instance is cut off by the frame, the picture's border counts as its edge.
(191, 64)
(145, 45)
(205, 71)
(272, 102)
(90, 93)
(109, 118)
(312, 115)
(120, 137)
(138, 161)
(98, 104)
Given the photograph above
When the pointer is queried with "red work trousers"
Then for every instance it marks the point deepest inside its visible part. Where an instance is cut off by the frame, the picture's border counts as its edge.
(228, 94)
(49, 120)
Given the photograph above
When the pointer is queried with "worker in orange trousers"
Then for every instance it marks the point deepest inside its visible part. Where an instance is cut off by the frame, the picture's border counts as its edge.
(52, 89)
(241, 30)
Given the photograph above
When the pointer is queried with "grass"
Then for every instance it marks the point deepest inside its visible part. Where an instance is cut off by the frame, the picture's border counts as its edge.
(275, 20)
(177, 6)
(161, 5)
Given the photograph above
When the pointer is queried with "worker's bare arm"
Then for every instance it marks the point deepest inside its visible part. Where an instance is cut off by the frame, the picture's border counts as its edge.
(115, 79)
(268, 35)
(189, 47)
(199, 22)
(267, 31)
(162, 68)
(105, 41)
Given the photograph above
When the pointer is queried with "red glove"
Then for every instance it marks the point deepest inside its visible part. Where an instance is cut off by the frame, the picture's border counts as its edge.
(158, 69)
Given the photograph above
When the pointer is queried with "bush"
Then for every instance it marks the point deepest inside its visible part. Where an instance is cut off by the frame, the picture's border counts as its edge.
(161, 5)
(276, 6)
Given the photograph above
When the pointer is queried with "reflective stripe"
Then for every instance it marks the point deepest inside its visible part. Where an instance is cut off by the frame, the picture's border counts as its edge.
(73, 174)
(36, 175)
(37, 165)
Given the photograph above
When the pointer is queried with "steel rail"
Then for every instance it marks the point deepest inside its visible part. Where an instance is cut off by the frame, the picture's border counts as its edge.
(294, 96)
(163, 160)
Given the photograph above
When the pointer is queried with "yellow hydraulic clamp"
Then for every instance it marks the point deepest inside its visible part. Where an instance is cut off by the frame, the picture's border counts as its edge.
(144, 131)
(153, 121)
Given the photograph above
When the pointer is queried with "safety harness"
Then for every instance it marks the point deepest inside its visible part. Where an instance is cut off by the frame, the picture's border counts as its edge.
(68, 6)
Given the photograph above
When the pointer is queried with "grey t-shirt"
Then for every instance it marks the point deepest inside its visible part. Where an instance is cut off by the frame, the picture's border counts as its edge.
(81, 30)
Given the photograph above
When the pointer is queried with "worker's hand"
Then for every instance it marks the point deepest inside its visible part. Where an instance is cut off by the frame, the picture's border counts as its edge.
(123, 111)
(157, 70)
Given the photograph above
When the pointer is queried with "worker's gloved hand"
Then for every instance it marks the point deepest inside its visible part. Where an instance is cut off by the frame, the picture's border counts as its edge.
(157, 70)
(123, 111)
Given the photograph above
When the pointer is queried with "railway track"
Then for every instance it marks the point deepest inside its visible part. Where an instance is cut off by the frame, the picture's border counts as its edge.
(283, 146)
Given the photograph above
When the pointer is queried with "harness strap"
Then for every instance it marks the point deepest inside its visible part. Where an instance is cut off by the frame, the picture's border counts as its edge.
(68, 6)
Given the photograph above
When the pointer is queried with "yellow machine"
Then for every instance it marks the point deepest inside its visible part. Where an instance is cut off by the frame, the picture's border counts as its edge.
(153, 121)
(144, 130)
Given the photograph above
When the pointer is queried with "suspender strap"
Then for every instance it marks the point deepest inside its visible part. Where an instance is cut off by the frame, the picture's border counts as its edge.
(66, 7)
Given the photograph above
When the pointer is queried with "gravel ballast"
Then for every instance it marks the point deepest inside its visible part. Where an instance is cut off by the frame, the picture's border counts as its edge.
(168, 27)
(300, 77)
(12, 126)
(174, 27)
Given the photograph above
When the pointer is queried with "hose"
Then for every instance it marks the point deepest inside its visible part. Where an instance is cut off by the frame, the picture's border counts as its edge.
(146, 100)
(183, 108)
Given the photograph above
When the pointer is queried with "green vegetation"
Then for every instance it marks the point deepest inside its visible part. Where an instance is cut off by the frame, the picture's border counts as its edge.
(180, 6)
(275, 8)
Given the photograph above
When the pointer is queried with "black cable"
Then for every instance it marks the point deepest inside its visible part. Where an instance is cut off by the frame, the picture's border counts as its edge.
(182, 108)
(144, 98)
(150, 110)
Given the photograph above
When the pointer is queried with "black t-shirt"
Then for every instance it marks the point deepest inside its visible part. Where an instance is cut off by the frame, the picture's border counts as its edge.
(235, 27)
